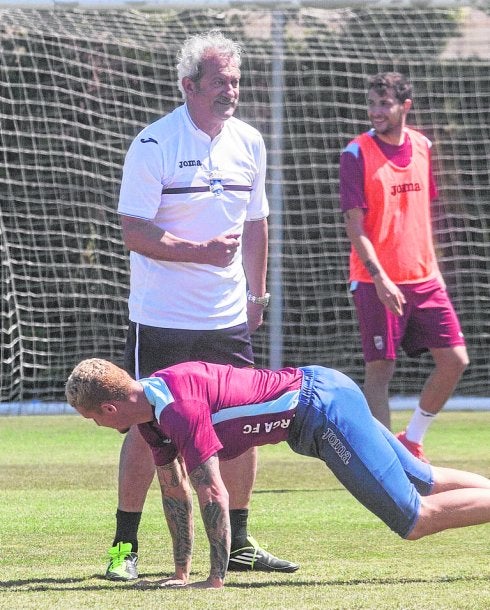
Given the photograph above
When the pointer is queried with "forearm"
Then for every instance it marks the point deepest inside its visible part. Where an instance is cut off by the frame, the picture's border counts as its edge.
(388, 292)
(254, 255)
(216, 519)
(146, 238)
(361, 242)
(177, 506)
(214, 504)
(367, 254)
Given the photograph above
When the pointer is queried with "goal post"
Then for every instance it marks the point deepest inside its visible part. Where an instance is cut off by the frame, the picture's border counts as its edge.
(78, 81)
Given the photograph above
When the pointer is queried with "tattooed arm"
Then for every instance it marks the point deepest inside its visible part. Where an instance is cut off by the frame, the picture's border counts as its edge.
(388, 292)
(213, 501)
(177, 505)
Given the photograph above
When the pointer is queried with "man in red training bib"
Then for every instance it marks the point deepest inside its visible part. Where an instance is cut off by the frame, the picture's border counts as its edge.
(386, 188)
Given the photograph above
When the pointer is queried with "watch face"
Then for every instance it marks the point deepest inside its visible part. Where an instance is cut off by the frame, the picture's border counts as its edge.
(264, 301)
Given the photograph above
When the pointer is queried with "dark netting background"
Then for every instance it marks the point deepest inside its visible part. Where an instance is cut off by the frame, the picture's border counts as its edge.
(76, 87)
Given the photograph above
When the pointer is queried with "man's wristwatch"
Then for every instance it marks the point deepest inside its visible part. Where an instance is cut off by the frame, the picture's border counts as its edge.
(264, 301)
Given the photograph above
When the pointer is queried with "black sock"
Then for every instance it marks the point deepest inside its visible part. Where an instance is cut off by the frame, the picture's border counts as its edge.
(238, 520)
(127, 528)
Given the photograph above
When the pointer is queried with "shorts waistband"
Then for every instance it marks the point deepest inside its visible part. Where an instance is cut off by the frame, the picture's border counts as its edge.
(309, 375)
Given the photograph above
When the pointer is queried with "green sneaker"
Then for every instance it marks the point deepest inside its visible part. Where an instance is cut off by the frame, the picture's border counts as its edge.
(123, 564)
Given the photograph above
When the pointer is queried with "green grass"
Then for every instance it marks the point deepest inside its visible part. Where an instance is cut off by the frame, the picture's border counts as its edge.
(58, 498)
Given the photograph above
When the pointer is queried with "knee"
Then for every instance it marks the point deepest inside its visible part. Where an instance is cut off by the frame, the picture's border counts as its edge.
(465, 361)
(461, 364)
(379, 372)
(421, 529)
(456, 362)
(461, 358)
(415, 534)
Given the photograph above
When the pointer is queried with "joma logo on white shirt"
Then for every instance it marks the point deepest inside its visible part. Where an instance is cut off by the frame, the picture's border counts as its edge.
(190, 163)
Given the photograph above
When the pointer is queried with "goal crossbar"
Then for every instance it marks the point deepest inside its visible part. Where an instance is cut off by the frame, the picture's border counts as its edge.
(156, 5)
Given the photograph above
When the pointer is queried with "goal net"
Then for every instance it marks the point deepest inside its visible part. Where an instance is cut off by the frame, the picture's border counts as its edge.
(76, 87)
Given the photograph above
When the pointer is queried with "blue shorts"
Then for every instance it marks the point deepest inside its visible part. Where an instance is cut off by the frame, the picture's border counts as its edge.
(333, 423)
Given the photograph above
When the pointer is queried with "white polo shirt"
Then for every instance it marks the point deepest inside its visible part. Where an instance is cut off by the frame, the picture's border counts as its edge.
(167, 179)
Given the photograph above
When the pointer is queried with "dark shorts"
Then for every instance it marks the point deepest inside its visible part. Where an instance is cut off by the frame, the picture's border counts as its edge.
(333, 423)
(149, 348)
(428, 321)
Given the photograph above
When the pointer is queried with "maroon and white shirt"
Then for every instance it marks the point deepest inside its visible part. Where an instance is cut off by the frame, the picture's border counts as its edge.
(202, 409)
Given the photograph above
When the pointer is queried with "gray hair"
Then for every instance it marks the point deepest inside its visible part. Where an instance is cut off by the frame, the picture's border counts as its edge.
(195, 49)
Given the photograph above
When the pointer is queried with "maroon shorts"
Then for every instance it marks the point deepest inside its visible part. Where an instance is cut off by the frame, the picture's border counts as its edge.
(428, 321)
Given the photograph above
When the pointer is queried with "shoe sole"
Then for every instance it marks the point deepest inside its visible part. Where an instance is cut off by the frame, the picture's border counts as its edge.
(120, 578)
(259, 568)
(244, 565)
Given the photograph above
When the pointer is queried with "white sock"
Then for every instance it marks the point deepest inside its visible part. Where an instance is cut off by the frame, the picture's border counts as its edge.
(418, 425)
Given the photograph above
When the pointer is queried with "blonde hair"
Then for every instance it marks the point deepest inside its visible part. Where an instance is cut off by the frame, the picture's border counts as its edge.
(95, 381)
(196, 49)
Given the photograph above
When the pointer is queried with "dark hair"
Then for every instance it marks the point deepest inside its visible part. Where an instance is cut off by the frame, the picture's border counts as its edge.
(391, 80)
